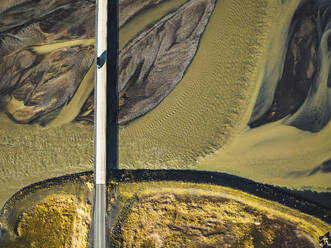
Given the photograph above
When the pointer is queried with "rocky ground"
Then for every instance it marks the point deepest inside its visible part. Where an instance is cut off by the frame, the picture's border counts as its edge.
(57, 213)
(193, 220)
(47, 51)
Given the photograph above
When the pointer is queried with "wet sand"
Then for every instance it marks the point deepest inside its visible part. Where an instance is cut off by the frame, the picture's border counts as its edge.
(200, 125)
(30, 153)
(213, 101)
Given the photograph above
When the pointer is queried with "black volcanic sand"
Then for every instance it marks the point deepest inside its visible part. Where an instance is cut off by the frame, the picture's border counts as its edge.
(301, 68)
(80, 186)
(292, 89)
(36, 85)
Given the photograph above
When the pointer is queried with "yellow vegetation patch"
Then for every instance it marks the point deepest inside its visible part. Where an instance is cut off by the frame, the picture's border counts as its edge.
(58, 221)
(173, 214)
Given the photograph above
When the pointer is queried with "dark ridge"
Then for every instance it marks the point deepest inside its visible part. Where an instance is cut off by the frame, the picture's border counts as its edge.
(286, 197)
(44, 184)
(312, 203)
(321, 198)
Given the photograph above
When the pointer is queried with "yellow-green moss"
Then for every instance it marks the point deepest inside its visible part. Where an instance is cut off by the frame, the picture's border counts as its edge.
(49, 223)
(58, 221)
(173, 214)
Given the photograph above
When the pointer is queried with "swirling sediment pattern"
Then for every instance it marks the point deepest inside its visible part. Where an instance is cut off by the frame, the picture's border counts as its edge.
(294, 96)
(213, 100)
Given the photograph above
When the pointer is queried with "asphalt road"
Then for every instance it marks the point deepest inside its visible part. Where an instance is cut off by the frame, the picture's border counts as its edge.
(99, 221)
